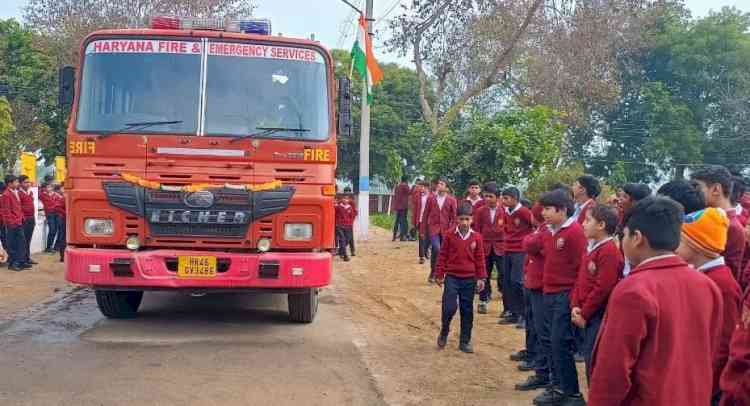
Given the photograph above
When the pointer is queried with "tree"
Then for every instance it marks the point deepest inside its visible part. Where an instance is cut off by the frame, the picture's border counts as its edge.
(64, 23)
(559, 54)
(7, 154)
(509, 148)
(29, 74)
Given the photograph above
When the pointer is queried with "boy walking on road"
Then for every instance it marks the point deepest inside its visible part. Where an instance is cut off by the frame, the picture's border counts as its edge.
(460, 267)
(440, 215)
(517, 227)
(345, 215)
(401, 206)
(662, 322)
(18, 256)
(419, 204)
(29, 211)
(474, 196)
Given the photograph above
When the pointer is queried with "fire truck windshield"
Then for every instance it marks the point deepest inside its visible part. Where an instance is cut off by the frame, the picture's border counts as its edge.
(240, 88)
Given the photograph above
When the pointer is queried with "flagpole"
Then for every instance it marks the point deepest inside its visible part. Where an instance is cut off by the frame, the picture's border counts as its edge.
(363, 199)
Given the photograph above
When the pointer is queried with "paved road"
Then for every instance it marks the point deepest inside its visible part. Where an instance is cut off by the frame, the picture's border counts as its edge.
(213, 350)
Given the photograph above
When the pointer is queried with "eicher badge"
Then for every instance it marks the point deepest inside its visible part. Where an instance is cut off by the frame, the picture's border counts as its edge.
(560, 243)
(592, 267)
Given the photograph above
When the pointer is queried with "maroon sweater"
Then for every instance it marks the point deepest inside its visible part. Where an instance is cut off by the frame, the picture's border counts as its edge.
(659, 334)
(27, 203)
(563, 252)
(345, 215)
(517, 227)
(401, 196)
(735, 248)
(12, 212)
(533, 269)
(600, 270)
(493, 233)
(462, 258)
(735, 381)
(440, 221)
(731, 295)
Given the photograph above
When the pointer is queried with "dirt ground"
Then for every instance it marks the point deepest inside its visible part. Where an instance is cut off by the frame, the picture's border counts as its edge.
(398, 314)
(19, 290)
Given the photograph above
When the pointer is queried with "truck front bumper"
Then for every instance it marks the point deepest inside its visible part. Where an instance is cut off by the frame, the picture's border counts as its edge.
(125, 269)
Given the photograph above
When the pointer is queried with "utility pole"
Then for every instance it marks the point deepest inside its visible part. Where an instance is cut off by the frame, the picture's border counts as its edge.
(363, 201)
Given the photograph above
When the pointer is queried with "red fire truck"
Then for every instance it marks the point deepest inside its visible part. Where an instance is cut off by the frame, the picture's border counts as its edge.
(201, 158)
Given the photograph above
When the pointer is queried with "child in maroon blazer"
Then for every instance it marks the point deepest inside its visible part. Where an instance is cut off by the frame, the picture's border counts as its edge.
(735, 381)
(489, 221)
(440, 215)
(563, 247)
(517, 227)
(704, 238)
(345, 215)
(474, 195)
(662, 324)
(600, 270)
(460, 267)
(585, 191)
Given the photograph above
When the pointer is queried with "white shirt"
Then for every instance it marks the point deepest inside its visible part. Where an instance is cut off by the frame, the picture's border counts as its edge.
(566, 224)
(441, 200)
(711, 264)
(492, 215)
(464, 237)
(580, 207)
(509, 211)
(656, 258)
(594, 245)
(473, 202)
(424, 204)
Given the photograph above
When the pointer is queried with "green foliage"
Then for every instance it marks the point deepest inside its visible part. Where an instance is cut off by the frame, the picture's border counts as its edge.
(619, 175)
(566, 175)
(33, 89)
(383, 220)
(6, 128)
(509, 148)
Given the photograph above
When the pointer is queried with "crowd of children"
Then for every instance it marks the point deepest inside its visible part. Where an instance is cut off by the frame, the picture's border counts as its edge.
(647, 288)
(18, 220)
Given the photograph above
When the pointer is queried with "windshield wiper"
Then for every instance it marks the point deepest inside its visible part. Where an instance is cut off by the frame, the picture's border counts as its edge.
(138, 126)
(268, 131)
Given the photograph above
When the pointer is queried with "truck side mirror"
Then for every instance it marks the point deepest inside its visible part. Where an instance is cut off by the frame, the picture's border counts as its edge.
(345, 107)
(67, 85)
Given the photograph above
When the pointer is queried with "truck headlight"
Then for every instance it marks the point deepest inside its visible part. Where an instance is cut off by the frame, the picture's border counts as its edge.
(98, 227)
(297, 232)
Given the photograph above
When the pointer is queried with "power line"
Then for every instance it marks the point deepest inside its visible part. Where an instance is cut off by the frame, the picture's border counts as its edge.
(392, 7)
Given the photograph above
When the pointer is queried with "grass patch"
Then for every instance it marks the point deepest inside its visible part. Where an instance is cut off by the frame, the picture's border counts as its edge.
(383, 220)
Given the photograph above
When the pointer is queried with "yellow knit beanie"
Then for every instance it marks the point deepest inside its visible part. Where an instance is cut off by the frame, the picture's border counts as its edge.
(706, 231)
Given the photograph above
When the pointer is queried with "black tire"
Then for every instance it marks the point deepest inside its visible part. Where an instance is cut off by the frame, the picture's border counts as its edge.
(304, 306)
(119, 304)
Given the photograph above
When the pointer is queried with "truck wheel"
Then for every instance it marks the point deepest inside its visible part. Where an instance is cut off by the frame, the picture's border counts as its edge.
(119, 304)
(304, 306)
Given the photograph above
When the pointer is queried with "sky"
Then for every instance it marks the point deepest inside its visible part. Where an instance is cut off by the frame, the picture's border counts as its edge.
(333, 22)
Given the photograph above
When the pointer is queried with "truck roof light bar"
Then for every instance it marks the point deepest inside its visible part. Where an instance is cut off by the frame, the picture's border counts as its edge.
(261, 26)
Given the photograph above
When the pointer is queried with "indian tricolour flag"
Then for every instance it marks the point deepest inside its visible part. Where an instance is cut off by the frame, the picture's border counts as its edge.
(363, 59)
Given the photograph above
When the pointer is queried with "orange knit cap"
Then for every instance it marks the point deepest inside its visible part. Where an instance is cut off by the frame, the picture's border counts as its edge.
(706, 231)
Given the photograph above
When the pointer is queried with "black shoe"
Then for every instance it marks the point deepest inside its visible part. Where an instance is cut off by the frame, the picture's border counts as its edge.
(431, 279)
(521, 325)
(442, 341)
(466, 348)
(525, 366)
(533, 382)
(578, 357)
(549, 397)
(347, 259)
(574, 400)
(512, 319)
(394, 239)
(421, 261)
(519, 356)
(353, 254)
(33, 262)
(482, 308)
(25, 266)
(504, 314)
(15, 267)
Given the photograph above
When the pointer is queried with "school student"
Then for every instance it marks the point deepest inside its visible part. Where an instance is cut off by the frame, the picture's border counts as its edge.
(715, 183)
(585, 191)
(704, 237)
(47, 197)
(663, 320)
(345, 215)
(489, 222)
(419, 204)
(517, 226)
(60, 209)
(600, 270)
(18, 256)
(474, 195)
(460, 268)
(29, 211)
(401, 206)
(686, 193)
(563, 247)
(440, 215)
(532, 358)
(735, 380)
(3, 238)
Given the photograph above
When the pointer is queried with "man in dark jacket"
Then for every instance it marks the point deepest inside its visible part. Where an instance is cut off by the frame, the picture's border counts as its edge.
(400, 206)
